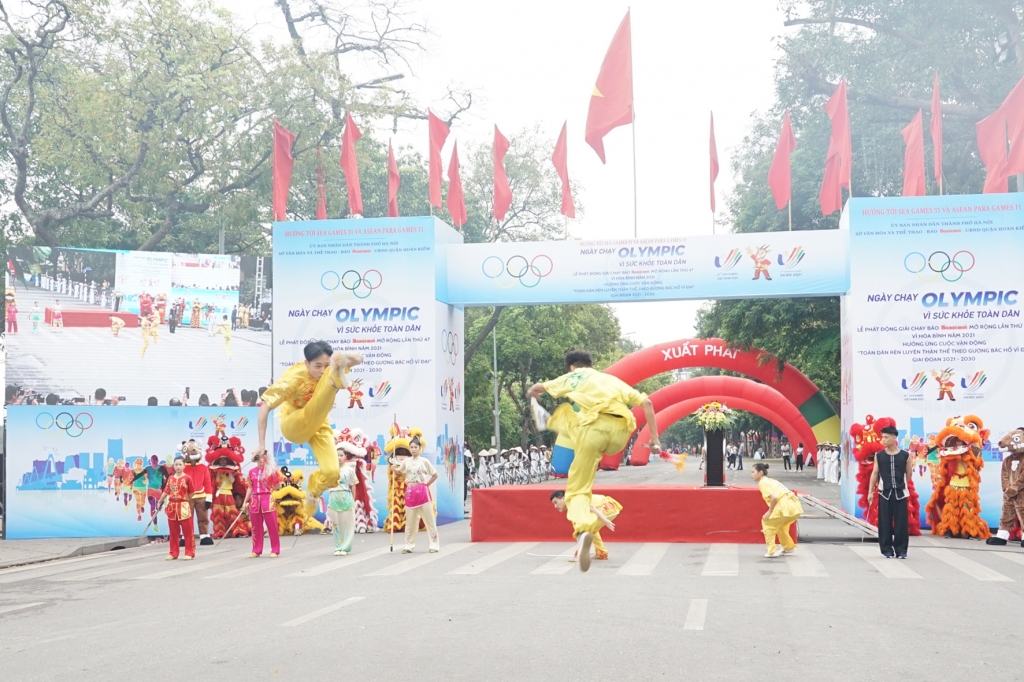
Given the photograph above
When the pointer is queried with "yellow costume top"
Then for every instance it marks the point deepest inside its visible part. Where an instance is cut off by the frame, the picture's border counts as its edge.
(788, 504)
(293, 390)
(594, 393)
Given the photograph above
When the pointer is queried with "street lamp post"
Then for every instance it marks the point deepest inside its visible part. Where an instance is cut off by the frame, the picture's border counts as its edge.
(497, 412)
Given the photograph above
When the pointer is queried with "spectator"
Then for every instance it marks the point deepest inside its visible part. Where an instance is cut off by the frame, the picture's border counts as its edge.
(740, 453)
(152, 402)
(204, 400)
(99, 396)
(229, 399)
(234, 318)
(52, 399)
(174, 402)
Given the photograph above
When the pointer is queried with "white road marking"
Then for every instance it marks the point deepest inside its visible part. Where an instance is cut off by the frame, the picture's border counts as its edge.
(421, 560)
(971, 568)
(339, 562)
(321, 612)
(557, 566)
(723, 560)
(493, 559)
(1015, 558)
(645, 559)
(50, 564)
(890, 568)
(63, 567)
(19, 607)
(264, 563)
(696, 615)
(189, 567)
(803, 564)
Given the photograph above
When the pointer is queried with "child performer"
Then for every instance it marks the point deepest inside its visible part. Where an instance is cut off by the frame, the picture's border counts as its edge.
(116, 324)
(57, 319)
(263, 478)
(36, 316)
(224, 329)
(419, 475)
(305, 393)
(178, 494)
(602, 425)
(605, 508)
(341, 506)
(783, 509)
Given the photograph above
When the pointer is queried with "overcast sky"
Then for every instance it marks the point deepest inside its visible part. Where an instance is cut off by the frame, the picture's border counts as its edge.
(535, 62)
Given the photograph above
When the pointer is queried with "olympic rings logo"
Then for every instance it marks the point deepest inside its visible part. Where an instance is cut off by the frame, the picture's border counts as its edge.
(450, 346)
(939, 264)
(529, 273)
(351, 283)
(73, 426)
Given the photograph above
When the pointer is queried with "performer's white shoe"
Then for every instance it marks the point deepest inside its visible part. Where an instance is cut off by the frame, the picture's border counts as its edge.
(776, 553)
(540, 415)
(583, 551)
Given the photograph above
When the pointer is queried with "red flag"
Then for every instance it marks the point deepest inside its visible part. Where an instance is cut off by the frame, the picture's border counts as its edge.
(913, 159)
(438, 134)
(348, 164)
(936, 129)
(282, 171)
(561, 160)
(502, 191)
(611, 103)
(1013, 110)
(393, 182)
(991, 132)
(321, 188)
(837, 162)
(779, 178)
(714, 162)
(456, 202)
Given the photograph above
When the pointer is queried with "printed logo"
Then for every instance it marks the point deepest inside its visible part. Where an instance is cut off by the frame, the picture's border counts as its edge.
(528, 273)
(381, 390)
(915, 383)
(351, 283)
(198, 424)
(939, 265)
(972, 386)
(66, 423)
(729, 261)
(450, 347)
(793, 259)
(240, 424)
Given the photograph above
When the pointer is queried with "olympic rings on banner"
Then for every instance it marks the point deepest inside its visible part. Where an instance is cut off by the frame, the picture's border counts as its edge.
(529, 273)
(450, 346)
(73, 426)
(939, 264)
(351, 283)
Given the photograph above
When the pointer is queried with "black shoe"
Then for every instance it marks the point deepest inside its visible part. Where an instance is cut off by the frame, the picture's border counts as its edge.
(995, 541)
(901, 556)
(1022, 543)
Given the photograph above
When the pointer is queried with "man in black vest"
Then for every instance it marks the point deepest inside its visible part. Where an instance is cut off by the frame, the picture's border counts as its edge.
(892, 468)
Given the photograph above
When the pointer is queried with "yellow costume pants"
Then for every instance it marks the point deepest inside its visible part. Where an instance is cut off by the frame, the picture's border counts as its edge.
(309, 424)
(116, 327)
(227, 341)
(605, 435)
(778, 526)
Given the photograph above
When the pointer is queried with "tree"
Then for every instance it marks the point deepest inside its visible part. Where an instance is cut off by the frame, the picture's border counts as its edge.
(888, 52)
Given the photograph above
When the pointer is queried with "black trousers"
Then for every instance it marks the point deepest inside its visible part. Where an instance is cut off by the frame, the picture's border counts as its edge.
(893, 536)
(785, 462)
(799, 462)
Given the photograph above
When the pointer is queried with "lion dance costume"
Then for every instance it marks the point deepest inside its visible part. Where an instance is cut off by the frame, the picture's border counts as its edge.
(867, 442)
(294, 511)
(225, 456)
(955, 507)
(362, 491)
(1011, 520)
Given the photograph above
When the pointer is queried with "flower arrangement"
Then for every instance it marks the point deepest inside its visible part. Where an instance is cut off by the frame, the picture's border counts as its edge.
(713, 416)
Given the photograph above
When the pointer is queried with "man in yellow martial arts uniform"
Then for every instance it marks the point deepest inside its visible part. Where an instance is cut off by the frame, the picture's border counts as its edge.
(305, 393)
(606, 509)
(603, 424)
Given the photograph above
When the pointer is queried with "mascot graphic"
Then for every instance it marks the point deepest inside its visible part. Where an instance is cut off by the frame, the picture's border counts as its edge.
(1012, 480)
(945, 379)
(761, 261)
(867, 442)
(294, 511)
(355, 393)
(225, 456)
(955, 507)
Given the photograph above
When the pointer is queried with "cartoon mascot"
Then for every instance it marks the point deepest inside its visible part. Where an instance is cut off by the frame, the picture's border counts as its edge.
(867, 442)
(1013, 487)
(955, 507)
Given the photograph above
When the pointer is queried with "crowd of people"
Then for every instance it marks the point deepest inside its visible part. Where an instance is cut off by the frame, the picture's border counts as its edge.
(509, 467)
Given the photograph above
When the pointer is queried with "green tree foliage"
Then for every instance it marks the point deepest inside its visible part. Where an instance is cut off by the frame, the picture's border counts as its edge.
(888, 52)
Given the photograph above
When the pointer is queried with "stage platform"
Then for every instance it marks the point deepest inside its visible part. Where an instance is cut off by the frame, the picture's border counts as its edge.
(651, 513)
(92, 317)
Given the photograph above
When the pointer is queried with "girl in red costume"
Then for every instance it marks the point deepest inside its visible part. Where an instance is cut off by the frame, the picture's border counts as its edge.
(178, 495)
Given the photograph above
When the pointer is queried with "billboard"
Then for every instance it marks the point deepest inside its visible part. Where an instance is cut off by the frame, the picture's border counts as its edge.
(135, 327)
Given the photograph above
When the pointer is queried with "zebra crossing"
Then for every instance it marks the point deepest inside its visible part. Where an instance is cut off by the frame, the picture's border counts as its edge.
(467, 561)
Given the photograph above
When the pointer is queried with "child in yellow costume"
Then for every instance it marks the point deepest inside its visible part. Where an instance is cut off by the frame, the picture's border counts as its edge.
(224, 329)
(150, 332)
(601, 423)
(116, 324)
(605, 509)
(783, 510)
(305, 393)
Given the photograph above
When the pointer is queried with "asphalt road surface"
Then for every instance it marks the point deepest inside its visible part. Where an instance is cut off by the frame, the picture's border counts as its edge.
(831, 611)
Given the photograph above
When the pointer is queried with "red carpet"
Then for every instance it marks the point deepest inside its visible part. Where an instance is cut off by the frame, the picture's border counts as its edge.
(93, 317)
(651, 513)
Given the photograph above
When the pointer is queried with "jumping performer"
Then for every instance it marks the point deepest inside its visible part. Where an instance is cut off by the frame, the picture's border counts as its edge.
(224, 329)
(305, 393)
(602, 425)
(116, 324)
(604, 508)
(783, 510)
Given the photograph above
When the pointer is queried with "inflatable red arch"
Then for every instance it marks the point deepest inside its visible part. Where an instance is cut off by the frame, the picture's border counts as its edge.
(678, 400)
(791, 383)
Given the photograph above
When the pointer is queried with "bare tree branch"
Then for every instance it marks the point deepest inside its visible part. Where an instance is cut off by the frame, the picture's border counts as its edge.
(878, 28)
(487, 328)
